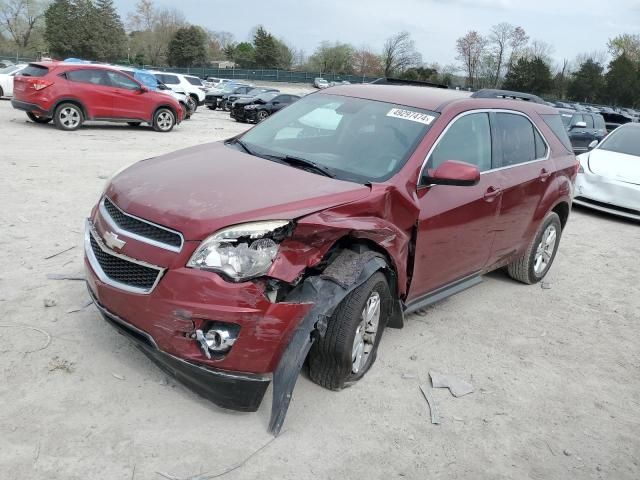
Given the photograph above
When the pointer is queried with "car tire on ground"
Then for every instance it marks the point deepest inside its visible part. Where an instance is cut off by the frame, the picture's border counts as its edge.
(262, 115)
(195, 102)
(134, 124)
(37, 118)
(192, 105)
(540, 253)
(68, 116)
(164, 120)
(349, 347)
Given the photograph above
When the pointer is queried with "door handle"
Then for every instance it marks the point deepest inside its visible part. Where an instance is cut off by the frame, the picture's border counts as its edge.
(544, 175)
(491, 194)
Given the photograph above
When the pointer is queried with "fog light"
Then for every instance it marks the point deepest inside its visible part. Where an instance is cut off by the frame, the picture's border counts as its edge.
(215, 340)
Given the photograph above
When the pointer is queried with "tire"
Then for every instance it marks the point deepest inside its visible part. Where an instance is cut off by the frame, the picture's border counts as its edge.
(186, 115)
(1, 92)
(195, 102)
(261, 115)
(192, 106)
(134, 124)
(333, 358)
(211, 107)
(538, 258)
(164, 120)
(37, 118)
(68, 117)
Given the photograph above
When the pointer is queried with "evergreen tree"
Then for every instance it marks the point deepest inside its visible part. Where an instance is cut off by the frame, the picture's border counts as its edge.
(109, 36)
(622, 82)
(529, 75)
(188, 47)
(587, 83)
(266, 49)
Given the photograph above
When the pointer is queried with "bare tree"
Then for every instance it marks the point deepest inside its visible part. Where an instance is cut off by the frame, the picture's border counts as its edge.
(365, 62)
(518, 43)
(153, 29)
(597, 56)
(19, 18)
(399, 53)
(500, 39)
(471, 49)
(540, 49)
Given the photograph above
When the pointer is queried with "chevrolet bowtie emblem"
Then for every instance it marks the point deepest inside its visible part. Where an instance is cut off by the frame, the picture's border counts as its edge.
(112, 240)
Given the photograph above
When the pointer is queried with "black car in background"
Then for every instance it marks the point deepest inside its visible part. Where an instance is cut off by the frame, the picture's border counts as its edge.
(224, 103)
(583, 128)
(258, 108)
(213, 97)
(227, 102)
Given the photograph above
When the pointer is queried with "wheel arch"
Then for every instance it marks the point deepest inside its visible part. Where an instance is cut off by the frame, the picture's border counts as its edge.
(74, 101)
(562, 208)
(164, 105)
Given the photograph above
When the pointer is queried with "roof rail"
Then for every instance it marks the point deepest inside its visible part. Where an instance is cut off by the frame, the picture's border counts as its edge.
(400, 81)
(508, 95)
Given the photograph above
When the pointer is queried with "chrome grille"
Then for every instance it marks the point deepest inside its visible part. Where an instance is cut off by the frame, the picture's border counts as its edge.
(119, 270)
(140, 229)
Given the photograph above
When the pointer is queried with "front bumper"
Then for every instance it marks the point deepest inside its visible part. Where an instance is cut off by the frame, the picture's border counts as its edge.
(242, 392)
(607, 195)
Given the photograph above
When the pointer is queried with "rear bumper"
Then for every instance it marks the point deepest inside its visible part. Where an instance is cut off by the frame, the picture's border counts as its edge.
(242, 392)
(29, 107)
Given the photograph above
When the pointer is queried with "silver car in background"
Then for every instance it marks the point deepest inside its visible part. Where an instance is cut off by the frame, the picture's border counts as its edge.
(609, 175)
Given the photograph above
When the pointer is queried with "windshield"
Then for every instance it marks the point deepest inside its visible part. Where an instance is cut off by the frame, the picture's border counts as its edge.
(623, 140)
(358, 140)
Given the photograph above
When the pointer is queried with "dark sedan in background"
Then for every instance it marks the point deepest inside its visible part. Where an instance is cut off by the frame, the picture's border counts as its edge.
(228, 100)
(583, 128)
(259, 108)
(214, 97)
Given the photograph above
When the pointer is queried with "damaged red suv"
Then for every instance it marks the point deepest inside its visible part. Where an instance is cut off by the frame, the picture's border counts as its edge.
(232, 263)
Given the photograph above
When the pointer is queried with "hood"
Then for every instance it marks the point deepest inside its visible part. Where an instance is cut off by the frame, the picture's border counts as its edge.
(202, 189)
(615, 166)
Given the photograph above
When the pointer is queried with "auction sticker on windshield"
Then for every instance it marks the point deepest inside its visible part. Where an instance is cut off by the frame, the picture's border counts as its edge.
(411, 115)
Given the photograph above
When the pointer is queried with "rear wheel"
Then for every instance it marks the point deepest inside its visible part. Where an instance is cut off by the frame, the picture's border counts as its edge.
(537, 259)
(192, 106)
(68, 116)
(195, 101)
(164, 120)
(349, 347)
(37, 118)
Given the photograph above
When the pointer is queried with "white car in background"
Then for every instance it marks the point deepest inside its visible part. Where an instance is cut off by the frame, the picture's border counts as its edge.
(190, 84)
(6, 79)
(213, 82)
(609, 175)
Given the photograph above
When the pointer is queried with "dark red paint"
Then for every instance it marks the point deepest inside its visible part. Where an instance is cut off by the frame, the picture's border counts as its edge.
(431, 235)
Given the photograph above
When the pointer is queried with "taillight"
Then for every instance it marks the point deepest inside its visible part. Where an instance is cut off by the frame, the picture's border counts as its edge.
(38, 83)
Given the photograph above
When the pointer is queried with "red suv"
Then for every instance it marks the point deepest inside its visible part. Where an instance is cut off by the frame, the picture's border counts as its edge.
(69, 94)
(232, 263)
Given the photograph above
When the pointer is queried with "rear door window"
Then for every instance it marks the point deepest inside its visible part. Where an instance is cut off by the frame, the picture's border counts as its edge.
(577, 117)
(33, 70)
(122, 81)
(599, 122)
(468, 140)
(555, 123)
(588, 120)
(516, 135)
(194, 81)
(93, 76)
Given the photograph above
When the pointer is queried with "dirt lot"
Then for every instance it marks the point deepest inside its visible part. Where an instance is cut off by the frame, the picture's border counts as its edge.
(556, 370)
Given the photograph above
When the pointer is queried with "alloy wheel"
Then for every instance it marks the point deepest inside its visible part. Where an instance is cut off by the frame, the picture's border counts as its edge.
(69, 117)
(366, 332)
(545, 250)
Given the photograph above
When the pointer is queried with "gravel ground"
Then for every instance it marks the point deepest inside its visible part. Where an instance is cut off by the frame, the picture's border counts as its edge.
(556, 370)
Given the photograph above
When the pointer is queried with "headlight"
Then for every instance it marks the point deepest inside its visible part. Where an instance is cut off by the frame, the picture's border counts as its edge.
(240, 252)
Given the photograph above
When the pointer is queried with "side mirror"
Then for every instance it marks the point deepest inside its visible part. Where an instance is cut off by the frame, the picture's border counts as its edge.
(452, 172)
(579, 125)
(593, 144)
(143, 89)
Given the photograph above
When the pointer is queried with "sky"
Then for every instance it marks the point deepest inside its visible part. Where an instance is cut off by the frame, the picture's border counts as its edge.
(572, 27)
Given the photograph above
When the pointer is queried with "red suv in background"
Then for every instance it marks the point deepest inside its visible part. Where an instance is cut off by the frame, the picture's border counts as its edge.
(231, 262)
(70, 93)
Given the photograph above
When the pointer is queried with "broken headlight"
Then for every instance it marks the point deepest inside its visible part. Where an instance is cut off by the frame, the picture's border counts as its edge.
(240, 252)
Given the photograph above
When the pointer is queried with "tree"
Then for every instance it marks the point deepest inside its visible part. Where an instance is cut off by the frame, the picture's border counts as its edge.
(188, 48)
(265, 49)
(398, 54)
(587, 84)
(19, 18)
(518, 42)
(530, 76)
(423, 73)
(625, 44)
(499, 39)
(109, 36)
(216, 44)
(70, 28)
(471, 49)
(242, 54)
(285, 55)
(622, 82)
(151, 31)
(334, 58)
(366, 63)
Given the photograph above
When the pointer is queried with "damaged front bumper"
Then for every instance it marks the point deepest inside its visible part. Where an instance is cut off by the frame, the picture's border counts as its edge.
(242, 392)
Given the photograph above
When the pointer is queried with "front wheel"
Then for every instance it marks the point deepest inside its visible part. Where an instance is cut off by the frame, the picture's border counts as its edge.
(37, 118)
(192, 106)
(194, 101)
(164, 120)
(68, 116)
(348, 349)
(537, 259)
(262, 115)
